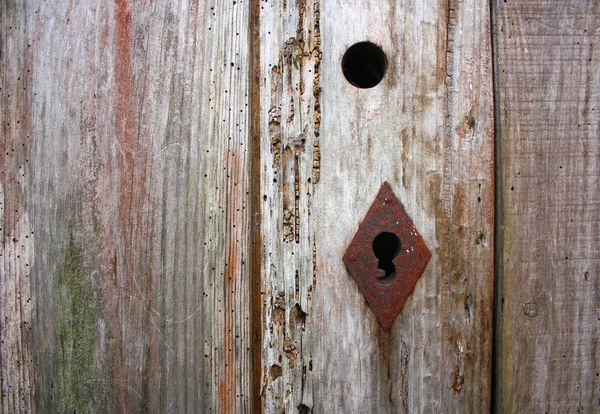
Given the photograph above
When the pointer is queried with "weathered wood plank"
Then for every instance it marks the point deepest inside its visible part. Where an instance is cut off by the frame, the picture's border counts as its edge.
(125, 185)
(16, 225)
(290, 55)
(549, 86)
(326, 147)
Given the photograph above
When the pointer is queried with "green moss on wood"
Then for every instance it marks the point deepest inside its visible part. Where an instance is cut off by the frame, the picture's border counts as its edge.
(75, 334)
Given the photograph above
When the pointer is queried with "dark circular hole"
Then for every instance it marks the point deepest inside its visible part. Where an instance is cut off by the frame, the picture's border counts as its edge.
(364, 64)
(386, 247)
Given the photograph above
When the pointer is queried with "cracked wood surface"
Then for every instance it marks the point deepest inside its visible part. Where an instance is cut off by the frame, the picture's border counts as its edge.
(325, 149)
(549, 87)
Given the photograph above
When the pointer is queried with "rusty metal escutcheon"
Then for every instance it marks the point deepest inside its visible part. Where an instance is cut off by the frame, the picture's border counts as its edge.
(386, 256)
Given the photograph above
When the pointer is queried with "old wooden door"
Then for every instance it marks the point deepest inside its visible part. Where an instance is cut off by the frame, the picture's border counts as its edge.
(180, 181)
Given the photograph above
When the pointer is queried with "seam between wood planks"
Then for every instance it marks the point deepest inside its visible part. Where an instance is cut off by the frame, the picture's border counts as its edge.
(255, 236)
(498, 225)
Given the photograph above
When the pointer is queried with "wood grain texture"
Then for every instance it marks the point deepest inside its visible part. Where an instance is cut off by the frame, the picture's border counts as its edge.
(326, 147)
(125, 205)
(125, 218)
(290, 56)
(16, 227)
(549, 86)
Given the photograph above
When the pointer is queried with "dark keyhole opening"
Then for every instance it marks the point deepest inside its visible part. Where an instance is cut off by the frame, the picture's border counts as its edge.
(386, 247)
(364, 64)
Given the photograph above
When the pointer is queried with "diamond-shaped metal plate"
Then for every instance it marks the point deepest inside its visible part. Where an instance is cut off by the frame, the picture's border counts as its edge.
(386, 215)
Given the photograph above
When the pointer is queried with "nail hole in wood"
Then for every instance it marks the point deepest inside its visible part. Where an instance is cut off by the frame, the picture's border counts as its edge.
(364, 64)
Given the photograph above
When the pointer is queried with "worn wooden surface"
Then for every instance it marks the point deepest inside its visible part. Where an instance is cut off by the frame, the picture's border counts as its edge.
(289, 122)
(126, 187)
(326, 147)
(549, 86)
(124, 206)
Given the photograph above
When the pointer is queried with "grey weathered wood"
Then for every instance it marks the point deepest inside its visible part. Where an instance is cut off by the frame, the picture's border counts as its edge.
(15, 220)
(125, 214)
(326, 147)
(549, 85)
(289, 56)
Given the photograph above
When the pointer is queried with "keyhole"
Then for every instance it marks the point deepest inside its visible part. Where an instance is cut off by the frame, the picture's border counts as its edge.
(386, 247)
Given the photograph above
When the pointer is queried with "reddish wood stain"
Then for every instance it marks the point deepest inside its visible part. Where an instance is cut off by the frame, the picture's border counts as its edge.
(105, 33)
(125, 145)
(124, 128)
(227, 385)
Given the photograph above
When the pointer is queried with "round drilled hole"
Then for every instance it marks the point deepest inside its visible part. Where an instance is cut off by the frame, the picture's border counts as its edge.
(364, 64)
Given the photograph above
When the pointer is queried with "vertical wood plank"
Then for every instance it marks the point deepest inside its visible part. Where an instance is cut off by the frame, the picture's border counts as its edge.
(549, 86)
(290, 56)
(326, 147)
(16, 227)
(126, 142)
